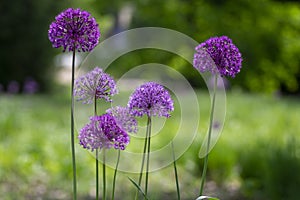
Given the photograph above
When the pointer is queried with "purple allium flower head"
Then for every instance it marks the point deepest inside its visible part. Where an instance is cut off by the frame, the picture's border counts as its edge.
(219, 52)
(1, 88)
(30, 86)
(124, 118)
(74, 29)
(92, 137)
(151, 99)
(13, 87)
(103, 132)
(95, 84)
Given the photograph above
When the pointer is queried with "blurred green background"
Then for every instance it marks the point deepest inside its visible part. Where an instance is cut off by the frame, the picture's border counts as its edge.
(258, 154)
(266, 32)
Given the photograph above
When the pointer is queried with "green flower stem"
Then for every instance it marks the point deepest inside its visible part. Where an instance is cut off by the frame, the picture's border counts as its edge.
(104, 176)
(97, 153)
(115, 176)
(143, 161)
(175, 171)
(97, 176)
(209, 135)
(148, 154)
(97, 165)
(72, 129)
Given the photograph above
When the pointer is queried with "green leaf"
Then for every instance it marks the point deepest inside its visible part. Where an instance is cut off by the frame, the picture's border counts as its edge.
(207, 198)
(138, 187)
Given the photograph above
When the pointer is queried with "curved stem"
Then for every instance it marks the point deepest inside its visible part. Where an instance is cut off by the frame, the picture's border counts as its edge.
(72, 129)
(209, 135)
(175, 171)
(115, 176)
(148, 154)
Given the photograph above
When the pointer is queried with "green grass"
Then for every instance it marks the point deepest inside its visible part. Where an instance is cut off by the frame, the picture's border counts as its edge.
(35, 156)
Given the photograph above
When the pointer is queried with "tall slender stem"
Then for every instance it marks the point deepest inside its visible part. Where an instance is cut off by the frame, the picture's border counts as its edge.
(209, 135)
(104, 176)
(148, 154)
(143, 161)
(72, 129)
(97, 153)
(97, 175)
(115, 176)
(175, 171)
(95, 105)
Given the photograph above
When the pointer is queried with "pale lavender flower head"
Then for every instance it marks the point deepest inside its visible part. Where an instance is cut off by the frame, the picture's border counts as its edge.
(219, 52)
(95, 84)
(74, 29)
(124, 118)
(103, 132)
(151, 99)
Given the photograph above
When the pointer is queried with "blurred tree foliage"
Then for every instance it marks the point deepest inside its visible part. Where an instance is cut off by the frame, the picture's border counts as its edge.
(266, 32)
(25, 49)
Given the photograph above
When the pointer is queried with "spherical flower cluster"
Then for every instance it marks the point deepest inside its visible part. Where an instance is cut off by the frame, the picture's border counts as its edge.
(95, 84)
(74, 29)
(124, 118)
(103, 132)
(151, 99)
(218, 55)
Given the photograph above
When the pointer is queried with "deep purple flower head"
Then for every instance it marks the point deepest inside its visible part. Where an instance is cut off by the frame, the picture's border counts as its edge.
(151, 99)
(124, 118)
(103, 132)
(74, 29)
(218, 55)
(95, 84)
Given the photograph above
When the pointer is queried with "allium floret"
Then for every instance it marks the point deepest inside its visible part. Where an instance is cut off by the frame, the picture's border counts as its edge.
(218, 55)
(103, 132)
(95, 84)
(74, 30)
(124, 118)
(151, 99)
